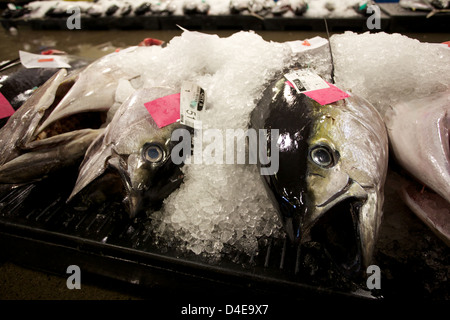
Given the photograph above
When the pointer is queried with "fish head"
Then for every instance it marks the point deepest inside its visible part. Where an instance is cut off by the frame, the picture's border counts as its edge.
(346, 170)
(331, 171)
(148, 173)
(135, 153)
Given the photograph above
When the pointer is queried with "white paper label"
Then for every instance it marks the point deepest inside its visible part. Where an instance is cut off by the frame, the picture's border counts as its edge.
(31, 60)
(305, 45)
(192, 103)
(306, 80)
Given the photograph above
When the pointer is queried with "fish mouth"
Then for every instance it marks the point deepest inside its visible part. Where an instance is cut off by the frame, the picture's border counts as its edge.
(345, 226)
(155, 187)
(337, 230)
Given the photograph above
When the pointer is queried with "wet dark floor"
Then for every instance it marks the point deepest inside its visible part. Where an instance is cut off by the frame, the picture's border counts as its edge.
(92, 43)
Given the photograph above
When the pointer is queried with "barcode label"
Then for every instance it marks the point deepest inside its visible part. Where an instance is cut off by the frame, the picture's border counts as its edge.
(306, 80)
(192, 103)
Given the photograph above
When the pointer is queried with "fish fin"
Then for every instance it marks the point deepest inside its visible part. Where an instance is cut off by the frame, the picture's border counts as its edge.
(60, 139)
(41, 162)
(21, 126)
(94, 165)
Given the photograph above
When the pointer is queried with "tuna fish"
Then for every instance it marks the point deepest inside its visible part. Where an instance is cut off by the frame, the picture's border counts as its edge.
(333, 162)
(27, 155)
(136, 152)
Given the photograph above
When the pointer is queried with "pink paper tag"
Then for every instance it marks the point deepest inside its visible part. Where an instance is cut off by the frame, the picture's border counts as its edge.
(165, 110)
(325, 96)
(6, 110)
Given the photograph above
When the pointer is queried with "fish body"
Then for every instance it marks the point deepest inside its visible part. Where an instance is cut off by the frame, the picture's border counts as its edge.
(18, 83)
(137, 151)
(416, 5)
(441, 4)
(22, 124)
(28, 155)
(95, 86)
(419, 133)
(332, 168)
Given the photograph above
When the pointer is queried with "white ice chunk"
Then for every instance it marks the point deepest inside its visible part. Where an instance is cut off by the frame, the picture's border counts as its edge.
(123, 91)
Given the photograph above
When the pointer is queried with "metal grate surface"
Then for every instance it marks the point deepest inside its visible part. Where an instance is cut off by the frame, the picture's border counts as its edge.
(39, 229)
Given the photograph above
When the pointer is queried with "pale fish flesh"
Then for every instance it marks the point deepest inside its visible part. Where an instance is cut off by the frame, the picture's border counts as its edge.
(419, 133)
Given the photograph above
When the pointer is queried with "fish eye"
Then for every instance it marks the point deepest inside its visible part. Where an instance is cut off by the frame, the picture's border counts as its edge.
(323, 156)
(153, 153)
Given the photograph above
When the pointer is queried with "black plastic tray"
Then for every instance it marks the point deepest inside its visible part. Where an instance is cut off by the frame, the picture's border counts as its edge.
(38, 229)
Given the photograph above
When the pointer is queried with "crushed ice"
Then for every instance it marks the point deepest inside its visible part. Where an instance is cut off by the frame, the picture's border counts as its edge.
(219, 205)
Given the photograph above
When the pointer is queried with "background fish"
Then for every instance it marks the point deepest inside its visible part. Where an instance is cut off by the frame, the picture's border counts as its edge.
(22, 124)
(136, 152)
(416, 5)
(419, 133)
(95, 86)
(332, 169)
(18, 83)
(41, 153)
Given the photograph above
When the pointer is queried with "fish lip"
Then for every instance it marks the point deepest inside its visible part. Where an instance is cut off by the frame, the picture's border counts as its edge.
(337, 195)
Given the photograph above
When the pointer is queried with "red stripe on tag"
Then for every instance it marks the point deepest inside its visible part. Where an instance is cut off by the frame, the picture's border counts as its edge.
(46, 60)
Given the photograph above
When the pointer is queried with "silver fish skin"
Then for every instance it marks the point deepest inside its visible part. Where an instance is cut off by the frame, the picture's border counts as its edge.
(333, 163)
(419, 133)
(416, 5)
(95, 85)
(27, 157)
(137, 150)
(58, 152)
(21, 127)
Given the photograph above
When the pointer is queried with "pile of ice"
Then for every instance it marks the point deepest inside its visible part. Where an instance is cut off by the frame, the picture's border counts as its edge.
(218, 205)
(222, 206)
(388, 68)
